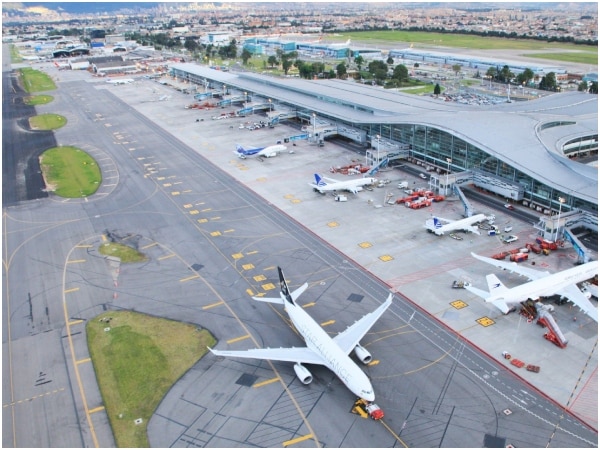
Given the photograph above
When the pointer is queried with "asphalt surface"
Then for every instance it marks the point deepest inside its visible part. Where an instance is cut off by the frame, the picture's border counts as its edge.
(215, 229)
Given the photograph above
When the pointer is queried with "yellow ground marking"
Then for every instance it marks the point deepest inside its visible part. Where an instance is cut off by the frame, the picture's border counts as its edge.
(308, 305)
(68, 291)
(231, 230)
(288, 196)
(27, 400)
(247, 266)
(250, 292)
(76, 261)
(237, 339)
(459, 304)
(75, 322)
(212, 305)
(187, 191)
(386, 258)
(264, 383)
(175, 193)
(160, 178)
(167, 185)
(298, 439)
(268, 286)
(84, 360)
(83, 246)
(215, 233)
(332, 224)
(202, 220)
(103, 238)
(149, 245)
(253, 252)
(261, 179)
(206, 209)
(193, 212)
(187, 205)
(485, 321)
(189, 278)
(365, 245)
(374, 362)
(160, 258)
(296, 200)
(259, 278)
(329, 322)
(237, 255)
(96, 409)
(215, 218)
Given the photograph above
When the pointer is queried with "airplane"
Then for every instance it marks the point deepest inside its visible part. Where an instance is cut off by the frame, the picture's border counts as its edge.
(541, 284)
(321, 349)
(324, 184)
(436, 225)
(267, 152)
(120, 81)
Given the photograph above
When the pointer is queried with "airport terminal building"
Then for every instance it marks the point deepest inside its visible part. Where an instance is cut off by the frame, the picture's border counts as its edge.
(527, 151)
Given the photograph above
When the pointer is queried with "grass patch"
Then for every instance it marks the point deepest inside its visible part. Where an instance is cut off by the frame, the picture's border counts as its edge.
(125, 253)
(136, 363)
(70, 172)
(572, 57)
(15, 55)
(37, 100)
(35, 81)
(47, 122)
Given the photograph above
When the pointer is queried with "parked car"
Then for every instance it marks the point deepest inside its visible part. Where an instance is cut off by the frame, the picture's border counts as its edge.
(510, 238)
(509, 206)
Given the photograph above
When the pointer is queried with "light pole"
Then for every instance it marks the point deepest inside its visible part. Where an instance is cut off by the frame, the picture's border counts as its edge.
(448, 160)
(270, 105)
(245, 98)
(314, 121)
(561, 200)
(378, 145)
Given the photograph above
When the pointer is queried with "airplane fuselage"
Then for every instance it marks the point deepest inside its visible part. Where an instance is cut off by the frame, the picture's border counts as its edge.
(336, 360)
(461, 224)
(548, 285)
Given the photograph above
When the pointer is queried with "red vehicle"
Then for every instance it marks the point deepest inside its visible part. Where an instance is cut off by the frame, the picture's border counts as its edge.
(509, 206)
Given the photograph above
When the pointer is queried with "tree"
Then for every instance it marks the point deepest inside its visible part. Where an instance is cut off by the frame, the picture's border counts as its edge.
(246, 55)
(594, 87)
(190, 45)
(359, 61)
(456, 68)
(437, 90)
(286, 64)
(505, 75)
(401, 73)
(390, 60)
(548, 82)
(583, 86)
(272, 60)
(341, 70)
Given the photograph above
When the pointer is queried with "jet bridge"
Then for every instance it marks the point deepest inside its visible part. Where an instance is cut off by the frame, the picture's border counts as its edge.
(469, 211)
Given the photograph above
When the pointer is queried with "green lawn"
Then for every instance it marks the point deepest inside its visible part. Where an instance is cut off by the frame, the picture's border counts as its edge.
(123, 252)
(35, 81)
(137, 359)
(70, 172)
(37, 100)
(47, 122)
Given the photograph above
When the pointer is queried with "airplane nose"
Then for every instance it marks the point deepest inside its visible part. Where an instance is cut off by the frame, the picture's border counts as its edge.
(369, 397)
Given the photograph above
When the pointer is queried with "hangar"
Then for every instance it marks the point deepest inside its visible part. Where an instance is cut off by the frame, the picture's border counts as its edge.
(535, 144)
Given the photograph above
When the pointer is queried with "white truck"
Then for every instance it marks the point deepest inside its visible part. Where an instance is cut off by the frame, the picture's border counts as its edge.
(403, 185)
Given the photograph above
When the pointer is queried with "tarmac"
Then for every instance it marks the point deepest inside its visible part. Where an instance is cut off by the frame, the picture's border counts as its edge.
(389, 241)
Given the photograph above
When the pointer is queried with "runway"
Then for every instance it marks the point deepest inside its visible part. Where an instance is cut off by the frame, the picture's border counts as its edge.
(176, 192)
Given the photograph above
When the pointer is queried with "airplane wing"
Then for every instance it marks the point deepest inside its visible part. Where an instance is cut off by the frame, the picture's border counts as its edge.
(294, 294)
(473, 229)
(532, 274)
(351, 336)
(293, 354)
(573, 293)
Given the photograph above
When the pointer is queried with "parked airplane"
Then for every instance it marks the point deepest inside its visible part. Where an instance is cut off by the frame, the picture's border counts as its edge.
(436, 224)
(120, 81)
(324, 184)
(542, 284)
(267, 152)
(320, 347)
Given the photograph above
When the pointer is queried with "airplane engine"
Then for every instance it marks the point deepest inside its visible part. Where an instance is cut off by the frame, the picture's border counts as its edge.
(363, 354)
(302, 373)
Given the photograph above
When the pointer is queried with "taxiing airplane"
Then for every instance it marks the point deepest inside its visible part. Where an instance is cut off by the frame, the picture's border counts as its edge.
(324, 184)
(267, 152)
(542, 284)
(120, 81)
(320, 347)
(440, 226)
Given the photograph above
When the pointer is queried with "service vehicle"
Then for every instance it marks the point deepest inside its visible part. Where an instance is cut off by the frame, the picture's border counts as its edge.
(510, 238)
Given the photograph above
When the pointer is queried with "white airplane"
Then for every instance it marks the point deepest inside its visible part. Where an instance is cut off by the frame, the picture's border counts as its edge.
(542, 284)
(436, 224)
(267, 152)
(120, 81)
(324, 184)
(320, 347)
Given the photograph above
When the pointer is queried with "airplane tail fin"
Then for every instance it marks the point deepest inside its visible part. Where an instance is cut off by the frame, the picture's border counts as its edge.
(285, 292)
(436, 223)
(286, 295)
(239, 148)
(319, 181)
(495, 285)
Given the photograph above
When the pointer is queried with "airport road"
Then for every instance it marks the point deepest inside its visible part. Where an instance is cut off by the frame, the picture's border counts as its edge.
(213, 243)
